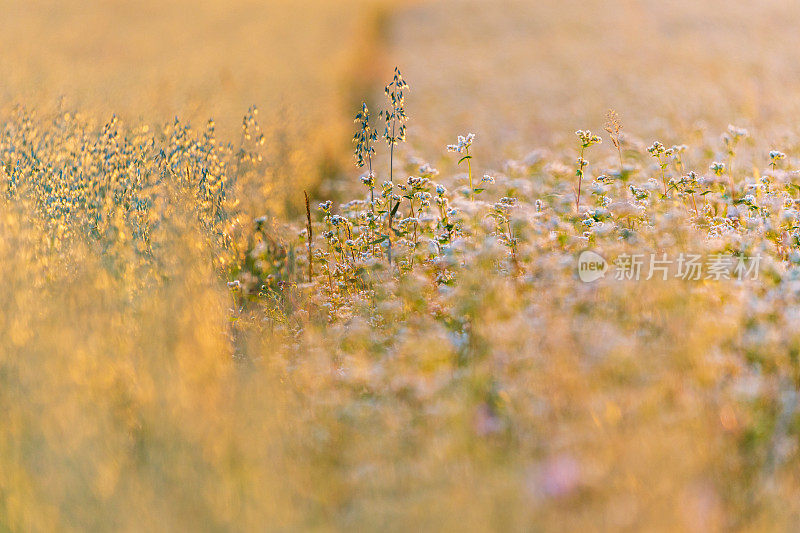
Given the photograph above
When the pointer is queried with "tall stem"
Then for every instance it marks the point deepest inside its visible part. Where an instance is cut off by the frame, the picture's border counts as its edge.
(619, 153)
(391, 153)
(371, 182)
(391, 180)
(310, 239)
(469, 172)
(580, 179)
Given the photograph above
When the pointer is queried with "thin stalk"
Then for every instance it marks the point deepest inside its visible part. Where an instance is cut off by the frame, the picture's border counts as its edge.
(310, 238)
(730, 175)
(391, 180)
(580, 179)
(469, 172)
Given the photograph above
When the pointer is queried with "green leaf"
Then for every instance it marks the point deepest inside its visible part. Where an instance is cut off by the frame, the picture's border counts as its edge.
(464, 159)
(379, 240)
(478, 191)
(394, 209)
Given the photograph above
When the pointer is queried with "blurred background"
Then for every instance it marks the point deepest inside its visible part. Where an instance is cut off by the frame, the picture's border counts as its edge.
(517, 73)
(119, 406)
(523, 73)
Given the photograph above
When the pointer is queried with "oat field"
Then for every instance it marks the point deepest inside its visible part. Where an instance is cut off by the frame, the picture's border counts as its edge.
(432, 266)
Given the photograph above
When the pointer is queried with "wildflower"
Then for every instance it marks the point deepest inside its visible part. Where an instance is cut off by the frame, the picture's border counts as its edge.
(679, 149)
(587, 139)
(508, 200)
(775, 155)
(656, 149)
(737, 133)
(463, 144)
(639, 194)
(428, 171)
(368, 179)
(717, 168)
(423, 195)
(407, 222)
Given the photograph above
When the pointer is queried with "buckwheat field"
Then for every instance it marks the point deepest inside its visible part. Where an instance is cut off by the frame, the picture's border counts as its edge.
(484, 266)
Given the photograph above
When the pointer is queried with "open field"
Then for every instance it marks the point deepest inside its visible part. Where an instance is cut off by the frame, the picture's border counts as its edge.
(526, 74)
(189, 343)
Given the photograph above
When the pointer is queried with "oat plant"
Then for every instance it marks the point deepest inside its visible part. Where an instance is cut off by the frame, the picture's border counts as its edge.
(365, 139)
(395, 117)
(394, 132)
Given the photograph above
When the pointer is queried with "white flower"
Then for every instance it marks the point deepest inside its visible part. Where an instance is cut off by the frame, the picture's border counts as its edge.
(463, 143)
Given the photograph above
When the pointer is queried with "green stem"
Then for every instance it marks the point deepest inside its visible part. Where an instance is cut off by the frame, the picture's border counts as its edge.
(469, 172)
(580, 179)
